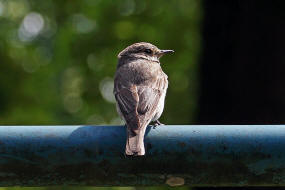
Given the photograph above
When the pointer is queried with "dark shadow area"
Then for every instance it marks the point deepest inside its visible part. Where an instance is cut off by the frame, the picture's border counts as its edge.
(243, 63)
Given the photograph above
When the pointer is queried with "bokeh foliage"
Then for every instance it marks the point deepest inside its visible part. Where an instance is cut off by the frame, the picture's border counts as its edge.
(58, 58)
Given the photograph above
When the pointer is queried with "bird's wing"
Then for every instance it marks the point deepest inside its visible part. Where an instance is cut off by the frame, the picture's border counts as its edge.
(138, 103)
(127, 100)
(149, 97)
(148, 101)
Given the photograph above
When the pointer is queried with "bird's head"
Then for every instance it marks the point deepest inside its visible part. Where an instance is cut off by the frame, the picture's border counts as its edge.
(143, 50)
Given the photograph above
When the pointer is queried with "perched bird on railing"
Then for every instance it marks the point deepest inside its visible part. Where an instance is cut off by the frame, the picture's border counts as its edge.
(140, 88)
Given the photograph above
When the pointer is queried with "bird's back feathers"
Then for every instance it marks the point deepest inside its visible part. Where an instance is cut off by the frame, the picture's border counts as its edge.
(139, 86)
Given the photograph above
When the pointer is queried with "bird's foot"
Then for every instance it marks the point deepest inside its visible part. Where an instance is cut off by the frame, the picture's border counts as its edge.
(157, 123)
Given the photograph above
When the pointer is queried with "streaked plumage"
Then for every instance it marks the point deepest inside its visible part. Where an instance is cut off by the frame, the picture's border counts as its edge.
(139, 88)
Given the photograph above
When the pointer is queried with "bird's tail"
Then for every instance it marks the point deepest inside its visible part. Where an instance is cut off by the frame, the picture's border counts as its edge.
(135, 142)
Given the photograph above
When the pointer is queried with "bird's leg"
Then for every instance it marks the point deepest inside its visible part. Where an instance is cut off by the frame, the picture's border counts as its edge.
(156, 123)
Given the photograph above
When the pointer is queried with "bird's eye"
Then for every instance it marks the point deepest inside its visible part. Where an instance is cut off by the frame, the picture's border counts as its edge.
(148, 51)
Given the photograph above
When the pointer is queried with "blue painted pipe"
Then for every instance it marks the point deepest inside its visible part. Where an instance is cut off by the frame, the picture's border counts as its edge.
(224, 155)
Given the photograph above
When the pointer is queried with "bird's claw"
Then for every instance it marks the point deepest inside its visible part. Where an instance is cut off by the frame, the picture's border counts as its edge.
(156, 123)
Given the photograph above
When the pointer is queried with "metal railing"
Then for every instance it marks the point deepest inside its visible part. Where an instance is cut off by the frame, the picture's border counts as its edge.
(196, 155)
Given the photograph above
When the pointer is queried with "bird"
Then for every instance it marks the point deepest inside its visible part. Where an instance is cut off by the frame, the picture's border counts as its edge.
(140, 87)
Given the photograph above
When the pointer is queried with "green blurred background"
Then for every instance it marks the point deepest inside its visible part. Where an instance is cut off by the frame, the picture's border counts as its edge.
(58, 58)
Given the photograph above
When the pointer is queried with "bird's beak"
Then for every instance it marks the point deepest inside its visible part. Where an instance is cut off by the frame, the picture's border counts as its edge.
(162, 52)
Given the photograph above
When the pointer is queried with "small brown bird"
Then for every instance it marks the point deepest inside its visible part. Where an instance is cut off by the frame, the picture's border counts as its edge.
(140, 88)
